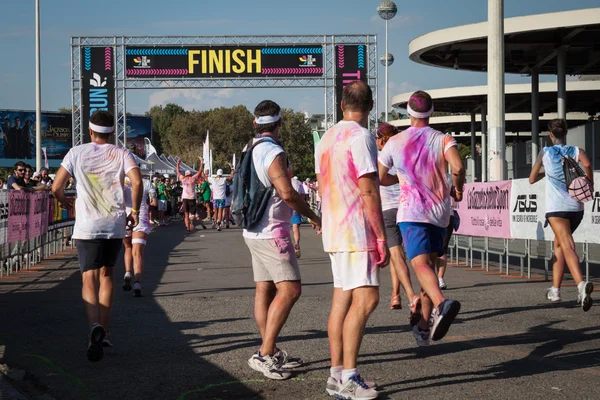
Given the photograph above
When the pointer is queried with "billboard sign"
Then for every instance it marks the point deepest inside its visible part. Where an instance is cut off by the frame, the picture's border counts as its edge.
(17, 134)
(224, 61)
(350, 65)
(138, 129)
(98, 84)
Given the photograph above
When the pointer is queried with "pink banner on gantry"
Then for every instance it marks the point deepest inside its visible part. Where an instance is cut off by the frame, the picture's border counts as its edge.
(485, 210)
(18, 210)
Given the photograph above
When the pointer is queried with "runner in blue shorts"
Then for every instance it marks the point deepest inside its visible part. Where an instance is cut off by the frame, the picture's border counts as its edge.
(421, 156)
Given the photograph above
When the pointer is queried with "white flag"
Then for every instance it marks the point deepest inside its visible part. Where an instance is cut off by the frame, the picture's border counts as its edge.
(149, 148)
(233, 162)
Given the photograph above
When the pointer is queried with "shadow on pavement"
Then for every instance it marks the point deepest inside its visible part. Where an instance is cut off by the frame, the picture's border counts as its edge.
(44, 332)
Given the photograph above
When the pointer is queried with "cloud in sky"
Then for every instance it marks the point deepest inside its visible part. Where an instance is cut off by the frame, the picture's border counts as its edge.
(198, 99)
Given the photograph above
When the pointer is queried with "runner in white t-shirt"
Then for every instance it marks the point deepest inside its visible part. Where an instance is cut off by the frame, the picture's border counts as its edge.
(219, 192)
(100, 222)
(389, 204)
(135, 240)
(274, 264)
(296, 217)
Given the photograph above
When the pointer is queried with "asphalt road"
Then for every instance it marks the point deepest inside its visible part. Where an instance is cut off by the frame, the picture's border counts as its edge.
(192, 333)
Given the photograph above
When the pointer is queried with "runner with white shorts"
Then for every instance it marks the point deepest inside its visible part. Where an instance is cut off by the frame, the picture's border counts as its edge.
(135, 240)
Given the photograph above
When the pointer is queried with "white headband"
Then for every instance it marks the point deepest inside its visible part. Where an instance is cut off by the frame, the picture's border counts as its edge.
(420, 115)
(267, 119)
(101, 129)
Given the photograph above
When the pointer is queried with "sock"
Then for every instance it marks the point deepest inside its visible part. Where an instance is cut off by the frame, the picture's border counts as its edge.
(581, 285)
(347, 374)
(336, 372)
(128, 274)
(556, 289)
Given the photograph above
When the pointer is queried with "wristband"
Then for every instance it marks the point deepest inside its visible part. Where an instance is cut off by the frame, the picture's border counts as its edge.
(381, 240)
(134, 211)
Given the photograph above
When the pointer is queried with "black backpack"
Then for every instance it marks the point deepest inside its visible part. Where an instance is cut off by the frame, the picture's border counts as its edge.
(250, 196)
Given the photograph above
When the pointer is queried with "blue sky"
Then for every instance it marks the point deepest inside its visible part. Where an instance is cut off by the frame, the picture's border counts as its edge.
(64, 18)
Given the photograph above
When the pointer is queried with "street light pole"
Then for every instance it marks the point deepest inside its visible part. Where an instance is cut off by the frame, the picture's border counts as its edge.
(495, 71)
(386, 10)
(38, 92)
(386, 72)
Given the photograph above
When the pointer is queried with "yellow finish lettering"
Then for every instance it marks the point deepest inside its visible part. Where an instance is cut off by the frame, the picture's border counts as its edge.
(254, 61)
(240, 67)
(191, 60)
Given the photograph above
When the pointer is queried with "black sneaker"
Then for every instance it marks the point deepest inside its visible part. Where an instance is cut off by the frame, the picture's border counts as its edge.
(94, 345)
(127, 283)
(442, 317)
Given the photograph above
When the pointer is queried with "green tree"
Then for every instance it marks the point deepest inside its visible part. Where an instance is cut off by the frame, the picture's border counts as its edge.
(65, 110)
(162, 118)
(297, 139)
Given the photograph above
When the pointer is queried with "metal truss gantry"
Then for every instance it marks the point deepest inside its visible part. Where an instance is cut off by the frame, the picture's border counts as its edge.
(124, 83)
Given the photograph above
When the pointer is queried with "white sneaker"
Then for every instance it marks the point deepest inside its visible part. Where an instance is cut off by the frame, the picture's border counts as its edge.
(553, 294)
(333, 386)
(442, 283)
(421, 336)
(355, 389)
(584, 298)
(137, 289)
(287, 362)
(268, 366)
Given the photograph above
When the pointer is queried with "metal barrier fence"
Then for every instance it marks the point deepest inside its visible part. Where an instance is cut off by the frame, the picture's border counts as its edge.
(22, 255)
(524, 250)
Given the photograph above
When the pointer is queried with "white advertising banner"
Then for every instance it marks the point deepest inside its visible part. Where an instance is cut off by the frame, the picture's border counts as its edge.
(528, 210)
(528, 213)
(589, 230)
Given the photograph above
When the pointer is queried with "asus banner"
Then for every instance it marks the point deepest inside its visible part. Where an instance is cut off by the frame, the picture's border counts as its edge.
(350, 65)
(224, 61)
(98, 84)
(516, 209)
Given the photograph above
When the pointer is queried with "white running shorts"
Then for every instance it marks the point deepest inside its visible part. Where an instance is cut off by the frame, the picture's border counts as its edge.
(352, 270)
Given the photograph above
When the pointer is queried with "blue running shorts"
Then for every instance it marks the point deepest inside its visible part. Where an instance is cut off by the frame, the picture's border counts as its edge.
(420, 238)
(296, 218)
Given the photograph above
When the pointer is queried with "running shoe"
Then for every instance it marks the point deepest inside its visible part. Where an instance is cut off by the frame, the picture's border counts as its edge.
(94, 343)
(106, 341)
(584, 295)
(137, 289)
(297, 249)
(422, 337)
(553, 294)
(442, 283)
(333, 385)
(287, 362)
(396, 303)
(127, 282)
(355, 389)
(268, 366)
(415, 310)
(227, 226)
(442, 317)
(219, 226)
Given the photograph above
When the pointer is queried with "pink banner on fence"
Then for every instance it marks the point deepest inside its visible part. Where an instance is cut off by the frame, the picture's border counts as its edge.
(38, 206)
(485, 210)
(18, 210)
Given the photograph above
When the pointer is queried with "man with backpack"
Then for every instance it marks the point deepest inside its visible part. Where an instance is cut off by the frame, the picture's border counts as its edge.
(263, 201)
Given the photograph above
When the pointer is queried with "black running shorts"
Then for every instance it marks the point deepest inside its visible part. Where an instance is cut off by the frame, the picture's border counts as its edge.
(189, 206)
(97, 253)
(448, 236)
(574, 217)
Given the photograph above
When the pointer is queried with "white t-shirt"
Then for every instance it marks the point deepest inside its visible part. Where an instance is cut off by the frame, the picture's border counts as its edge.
(219, 186)
(306, 188)
(390, 194)
(298, 186)
(148, 194)
(346, 152)
(99, 170)
(275, 222)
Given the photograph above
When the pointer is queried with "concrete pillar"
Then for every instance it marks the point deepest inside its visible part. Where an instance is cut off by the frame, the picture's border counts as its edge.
(535, 114)
(474, 143)
(484, 147)
(497, 145)
(561, 80)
